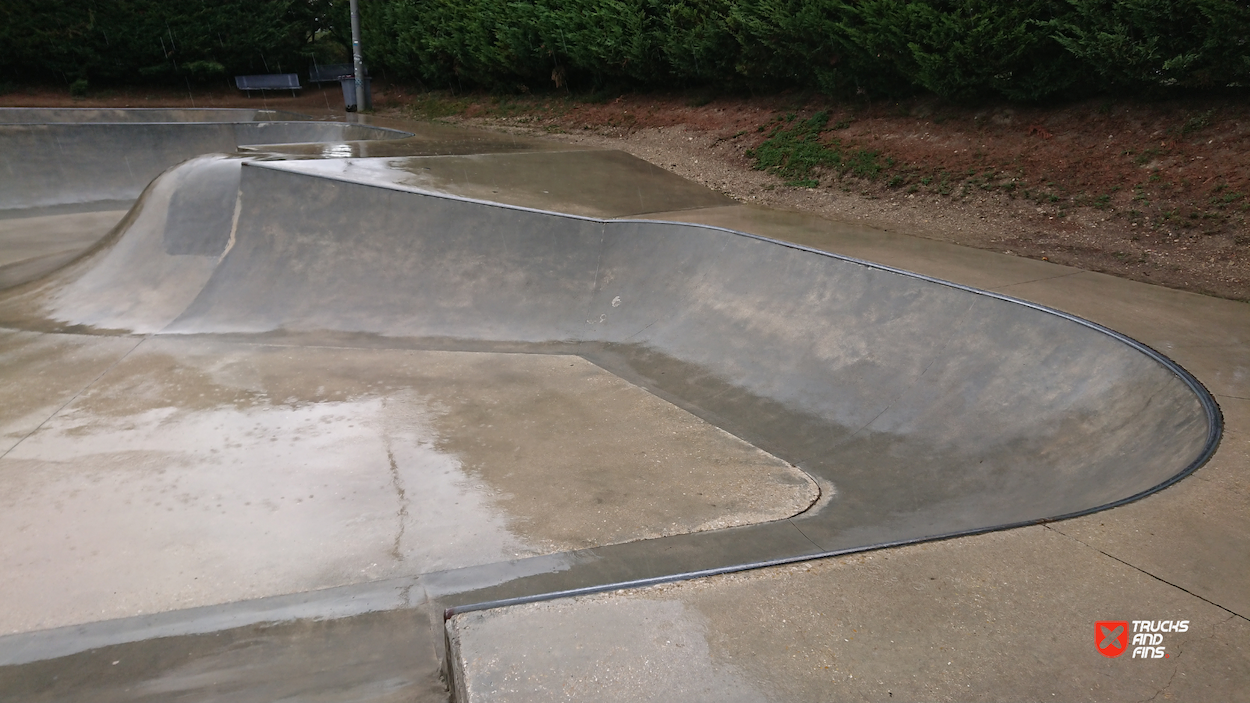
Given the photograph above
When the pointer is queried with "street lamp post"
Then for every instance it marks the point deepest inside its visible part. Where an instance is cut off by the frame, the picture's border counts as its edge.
(358, 62)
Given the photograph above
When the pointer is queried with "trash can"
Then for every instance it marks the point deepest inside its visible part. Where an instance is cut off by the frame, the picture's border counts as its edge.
(349, 93)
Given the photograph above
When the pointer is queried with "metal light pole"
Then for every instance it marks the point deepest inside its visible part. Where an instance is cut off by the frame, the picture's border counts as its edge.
(357, 61)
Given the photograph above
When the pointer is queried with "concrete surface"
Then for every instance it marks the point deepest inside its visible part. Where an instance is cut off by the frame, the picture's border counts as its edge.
(193, 472)
(999, 617)
(38, 245)
(427, 139)
(623, 185)
(243, 334)
(1003, 616)
(383, 656)
(931, 409)
(75, 162)
(45, 115)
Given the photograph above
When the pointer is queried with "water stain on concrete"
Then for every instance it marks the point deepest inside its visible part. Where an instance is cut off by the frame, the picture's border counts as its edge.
(44, 372)
(196, 472)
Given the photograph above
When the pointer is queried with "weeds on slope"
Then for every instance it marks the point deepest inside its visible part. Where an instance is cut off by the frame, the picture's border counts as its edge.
(797, 152)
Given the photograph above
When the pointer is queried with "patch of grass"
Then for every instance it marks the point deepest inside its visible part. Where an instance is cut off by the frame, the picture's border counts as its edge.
(78, 88)
(1197, 123)
(433, 106)
(865, 163)
(795, 151)
(1146, 155)
(505, 107)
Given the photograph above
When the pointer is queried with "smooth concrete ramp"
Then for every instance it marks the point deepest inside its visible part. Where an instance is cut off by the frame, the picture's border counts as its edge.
(66, 172)
(76, 162)
(932, 409)
(920, 409)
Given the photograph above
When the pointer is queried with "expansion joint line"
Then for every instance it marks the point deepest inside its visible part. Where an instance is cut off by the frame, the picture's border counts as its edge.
(1035, 280)
(805, 535)
(1147, 573)
(76, 396)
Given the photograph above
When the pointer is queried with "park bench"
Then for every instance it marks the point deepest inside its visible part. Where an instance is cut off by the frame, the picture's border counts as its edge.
(331, 72)
(268, 81)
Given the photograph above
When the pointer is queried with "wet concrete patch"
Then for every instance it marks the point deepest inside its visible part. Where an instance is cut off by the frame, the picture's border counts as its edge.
(591, 183)
(428, 139)
(43, 372)
(32, 247)
(198, 472)
(33, 237)
(378, 657)
(658, 651)
(1003, 616)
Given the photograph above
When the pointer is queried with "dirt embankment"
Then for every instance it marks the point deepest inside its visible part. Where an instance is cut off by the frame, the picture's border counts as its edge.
(1156, 192)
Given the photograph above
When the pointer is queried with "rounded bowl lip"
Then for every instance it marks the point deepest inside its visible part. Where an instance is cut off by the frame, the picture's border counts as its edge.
(1211, 409)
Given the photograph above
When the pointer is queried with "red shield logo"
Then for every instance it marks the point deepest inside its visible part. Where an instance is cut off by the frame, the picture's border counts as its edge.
(1111, 637)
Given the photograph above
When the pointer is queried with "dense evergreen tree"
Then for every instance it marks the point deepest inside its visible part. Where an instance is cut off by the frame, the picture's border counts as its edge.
(137, 40)
(1022, 50)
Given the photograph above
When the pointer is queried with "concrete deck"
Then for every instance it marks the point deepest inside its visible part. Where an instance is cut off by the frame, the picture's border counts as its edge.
(210, 447)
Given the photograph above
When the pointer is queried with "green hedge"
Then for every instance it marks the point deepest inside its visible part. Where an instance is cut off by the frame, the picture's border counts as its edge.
(154, 40)
(1159, 43)
(1023, 50)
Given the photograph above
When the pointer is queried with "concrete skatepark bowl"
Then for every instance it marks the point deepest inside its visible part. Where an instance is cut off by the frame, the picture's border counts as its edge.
(333, 376)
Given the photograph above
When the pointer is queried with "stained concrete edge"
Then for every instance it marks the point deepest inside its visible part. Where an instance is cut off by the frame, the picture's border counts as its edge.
(1001, 616)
